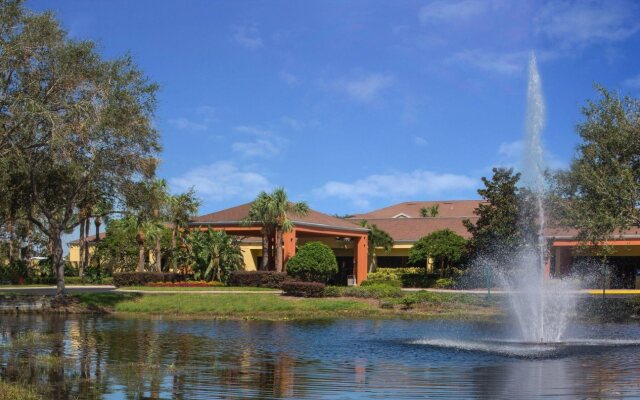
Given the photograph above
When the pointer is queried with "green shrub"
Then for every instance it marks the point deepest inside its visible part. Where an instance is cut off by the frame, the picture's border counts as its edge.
(303, 289)
(266, 279)
(142, 278)
(387, 305)
(418, 280)
(409, 301)
(444, 283)
(17, 272)
(334, 291)
(383, 277)
(393, 282)
(314, 262)
(373, 291)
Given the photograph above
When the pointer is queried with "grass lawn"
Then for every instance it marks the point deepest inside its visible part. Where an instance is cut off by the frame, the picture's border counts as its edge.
(275, 307)
(199, 289)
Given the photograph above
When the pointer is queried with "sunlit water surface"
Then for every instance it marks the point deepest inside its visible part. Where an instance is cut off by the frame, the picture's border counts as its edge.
(116, 358)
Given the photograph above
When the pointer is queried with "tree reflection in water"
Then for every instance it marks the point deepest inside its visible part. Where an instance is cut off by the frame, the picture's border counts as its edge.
(93, 357)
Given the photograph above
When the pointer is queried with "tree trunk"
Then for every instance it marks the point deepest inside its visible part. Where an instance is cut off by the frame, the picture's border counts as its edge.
(97, 223)
(12, 233)
(158, 255)
(278, 256)
(174, 253)
(87, 245)
(29, 252)
(57, 260)
(264, 265)
(81, 244)
(140, 257)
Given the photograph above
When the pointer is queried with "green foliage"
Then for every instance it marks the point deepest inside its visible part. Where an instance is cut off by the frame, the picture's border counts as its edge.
(314, 261)
(118, 250)
(506, 222)
(214, 254)
(303, 289)
(271, 211)
(430, 212)
(600, 192)
(377, 238)
(445, 247)
(374, 291)
(265, 279)
(142, 278)
(444, 283)
(76, 127)
(383, 277)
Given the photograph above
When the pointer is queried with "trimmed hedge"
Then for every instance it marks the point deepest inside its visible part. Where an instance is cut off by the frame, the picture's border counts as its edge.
(266, 279)
(373, 291)
(303, 289)
(142, 278)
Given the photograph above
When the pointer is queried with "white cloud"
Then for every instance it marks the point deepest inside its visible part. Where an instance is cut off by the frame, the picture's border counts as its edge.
(365, 89)
(398, 185)
(289, 78)
(222, 180)
(450, 10)
(499, 63)
(297, 124)
(258, 148)
(633, 83)
(254, 130)
(420, 141)
(247, 36)
(206, 112)
(511, 149)
(187, 125)
(576, 24)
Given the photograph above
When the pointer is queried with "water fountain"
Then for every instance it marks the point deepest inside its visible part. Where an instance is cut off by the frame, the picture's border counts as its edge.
(542, 306)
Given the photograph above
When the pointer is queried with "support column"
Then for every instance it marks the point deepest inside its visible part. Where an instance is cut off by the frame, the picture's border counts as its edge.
(288, 247)
(361, 258)
(546, 273)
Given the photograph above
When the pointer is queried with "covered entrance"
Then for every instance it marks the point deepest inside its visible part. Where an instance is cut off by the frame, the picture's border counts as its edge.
(348, 240)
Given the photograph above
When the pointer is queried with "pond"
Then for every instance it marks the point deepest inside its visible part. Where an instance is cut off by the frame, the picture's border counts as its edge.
(126, 358)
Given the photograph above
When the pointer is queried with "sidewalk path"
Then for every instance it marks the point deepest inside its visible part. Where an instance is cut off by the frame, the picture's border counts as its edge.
(51, 290)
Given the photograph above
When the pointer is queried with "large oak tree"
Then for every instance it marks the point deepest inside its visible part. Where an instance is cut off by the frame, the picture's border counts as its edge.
(74, 128)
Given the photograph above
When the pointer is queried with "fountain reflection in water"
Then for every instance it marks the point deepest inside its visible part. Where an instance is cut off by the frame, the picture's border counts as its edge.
(541, 306)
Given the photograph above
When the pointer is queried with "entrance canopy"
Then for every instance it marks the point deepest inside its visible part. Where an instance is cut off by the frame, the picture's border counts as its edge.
(314, 224)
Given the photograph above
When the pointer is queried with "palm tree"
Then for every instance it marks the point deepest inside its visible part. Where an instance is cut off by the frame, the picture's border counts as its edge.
(181, 208)
(432, 211)
(377, 238)
(261, 213)
(281, 208)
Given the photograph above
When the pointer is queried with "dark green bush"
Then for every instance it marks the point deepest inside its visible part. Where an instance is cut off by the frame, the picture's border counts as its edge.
(390, 282)
(266, 279)
(303, 289)
(142, 278)
(16, 272)
(418, 280)
(444, 283)
(314, 262)
(374, 291)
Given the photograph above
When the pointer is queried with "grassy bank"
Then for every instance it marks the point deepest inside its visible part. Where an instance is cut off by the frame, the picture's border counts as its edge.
(275, 307)
(198, 289)
(14, 391)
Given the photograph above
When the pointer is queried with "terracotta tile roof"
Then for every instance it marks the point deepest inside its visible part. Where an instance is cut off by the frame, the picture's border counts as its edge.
(235, 215)
(412, 229)
(447, 208)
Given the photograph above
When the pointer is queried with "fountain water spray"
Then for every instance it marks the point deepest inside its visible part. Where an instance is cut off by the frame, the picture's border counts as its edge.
(541, 306)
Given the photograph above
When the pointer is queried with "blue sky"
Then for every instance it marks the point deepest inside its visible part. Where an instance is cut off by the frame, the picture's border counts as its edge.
(356, 105)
